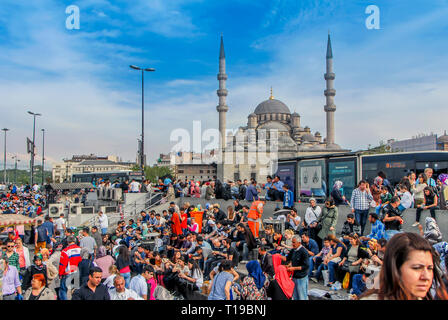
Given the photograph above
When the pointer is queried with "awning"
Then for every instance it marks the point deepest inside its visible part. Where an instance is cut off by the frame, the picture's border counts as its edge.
(7, 220)
(71, 186)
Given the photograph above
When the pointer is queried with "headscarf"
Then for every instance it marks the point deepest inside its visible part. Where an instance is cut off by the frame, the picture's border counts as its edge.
(282, 277)
(442, 250)
(254, 269)
(443, 177)
(101, 252)
(432, 230)
(378, 180)
(338, 184)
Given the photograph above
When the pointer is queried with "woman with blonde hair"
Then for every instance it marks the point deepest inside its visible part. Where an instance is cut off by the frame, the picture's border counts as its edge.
(52, 271)
(113, 271)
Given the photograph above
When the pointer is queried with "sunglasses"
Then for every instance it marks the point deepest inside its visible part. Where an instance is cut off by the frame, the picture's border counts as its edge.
(10, 246)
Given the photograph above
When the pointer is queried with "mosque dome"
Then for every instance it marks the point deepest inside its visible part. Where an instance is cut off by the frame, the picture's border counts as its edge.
(308, 137)
(271, 106)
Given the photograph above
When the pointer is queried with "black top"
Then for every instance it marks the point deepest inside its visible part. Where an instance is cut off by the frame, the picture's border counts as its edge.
(275, 292)
(85, 293)
(220, 216)
(392, 212)
(429, 200)
(337, 196)
(121, 263)
(267, 265)
(235, 255)
(299, 258)
(33, 297)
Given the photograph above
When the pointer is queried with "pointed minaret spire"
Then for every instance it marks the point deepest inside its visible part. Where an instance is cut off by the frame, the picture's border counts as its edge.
(222, 55)
(329, 93)
(222, 94)
(329, 50)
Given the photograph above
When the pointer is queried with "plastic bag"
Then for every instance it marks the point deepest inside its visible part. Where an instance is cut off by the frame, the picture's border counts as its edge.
(326, 276)
(346, 281)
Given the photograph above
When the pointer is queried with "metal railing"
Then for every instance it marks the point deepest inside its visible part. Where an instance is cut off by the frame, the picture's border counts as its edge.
(124, 214)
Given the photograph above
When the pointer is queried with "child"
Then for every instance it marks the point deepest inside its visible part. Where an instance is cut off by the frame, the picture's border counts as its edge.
(385, 199)
(318, 259)
(406, 201)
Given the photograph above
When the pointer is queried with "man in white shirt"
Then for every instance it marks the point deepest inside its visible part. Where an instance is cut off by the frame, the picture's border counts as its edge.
(293, 219)
(139, 282)
(135, 186)
(104, 222)
(120, 292)
(61, 224)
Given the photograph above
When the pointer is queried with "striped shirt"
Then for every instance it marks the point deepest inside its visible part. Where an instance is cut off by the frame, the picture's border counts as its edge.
(361, 199)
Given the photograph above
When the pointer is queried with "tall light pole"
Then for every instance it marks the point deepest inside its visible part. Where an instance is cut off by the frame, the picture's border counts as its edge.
(15, 168)
(43, 155)
(142, 154)
(4, 159)
(32, 149)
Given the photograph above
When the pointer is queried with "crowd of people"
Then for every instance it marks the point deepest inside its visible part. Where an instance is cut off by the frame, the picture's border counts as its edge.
(227, 253)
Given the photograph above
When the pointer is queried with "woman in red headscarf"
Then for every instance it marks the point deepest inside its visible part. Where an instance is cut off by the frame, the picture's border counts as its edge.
(282, 287)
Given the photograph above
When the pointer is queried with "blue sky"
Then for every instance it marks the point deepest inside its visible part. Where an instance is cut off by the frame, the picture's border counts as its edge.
(390, 82)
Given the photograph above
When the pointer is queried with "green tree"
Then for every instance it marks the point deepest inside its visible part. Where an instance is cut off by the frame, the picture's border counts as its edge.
(154, 172)
(382, 148)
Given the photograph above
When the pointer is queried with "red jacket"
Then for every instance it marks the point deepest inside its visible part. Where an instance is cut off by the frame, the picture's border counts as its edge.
(70, 258)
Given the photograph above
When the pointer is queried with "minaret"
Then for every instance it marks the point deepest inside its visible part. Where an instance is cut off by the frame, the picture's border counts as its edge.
(330, 92)
(222, 94)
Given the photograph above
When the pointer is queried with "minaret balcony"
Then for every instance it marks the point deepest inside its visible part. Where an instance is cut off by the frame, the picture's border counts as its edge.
(330, 108)
(330, 92)
(222, 76)
(222, 108)
(221, 92)
(329, 76)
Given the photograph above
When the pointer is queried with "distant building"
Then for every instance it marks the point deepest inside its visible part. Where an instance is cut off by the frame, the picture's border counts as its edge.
(420, 143)
(63, 171)
(175, 158)
(196, 172)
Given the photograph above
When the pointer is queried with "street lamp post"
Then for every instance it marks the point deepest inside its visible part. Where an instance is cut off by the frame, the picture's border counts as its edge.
(4, 159)
(15, 168)
(43, 155)
(142, 154)
(32, 149)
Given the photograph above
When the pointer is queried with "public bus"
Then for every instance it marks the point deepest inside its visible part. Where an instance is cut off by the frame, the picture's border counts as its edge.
(111, 176)
(314, 176)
